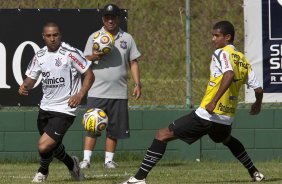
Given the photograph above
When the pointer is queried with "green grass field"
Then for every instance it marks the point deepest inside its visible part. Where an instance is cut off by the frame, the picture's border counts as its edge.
(167, 172)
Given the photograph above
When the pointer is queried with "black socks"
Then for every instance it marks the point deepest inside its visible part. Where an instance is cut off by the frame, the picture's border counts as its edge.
(45, 160)
(153, 155)
(238, 150)
(60, 154)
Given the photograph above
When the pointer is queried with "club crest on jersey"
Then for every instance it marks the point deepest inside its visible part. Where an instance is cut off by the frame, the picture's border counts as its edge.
(123, 44)
(58, 62)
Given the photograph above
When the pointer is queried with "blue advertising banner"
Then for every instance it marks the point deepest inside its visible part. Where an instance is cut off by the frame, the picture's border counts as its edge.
(263, 40)
(272, 45)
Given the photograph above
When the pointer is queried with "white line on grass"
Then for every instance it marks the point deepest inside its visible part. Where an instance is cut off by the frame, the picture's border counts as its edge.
(109, 175)
(16, 177)
(92, 176)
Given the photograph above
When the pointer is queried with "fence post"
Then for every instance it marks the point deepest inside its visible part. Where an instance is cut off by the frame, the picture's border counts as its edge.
(188, 57)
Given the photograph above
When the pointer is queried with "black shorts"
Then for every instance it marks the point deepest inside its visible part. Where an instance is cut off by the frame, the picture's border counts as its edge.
(191, 127)
(117, 112)
(54, 124)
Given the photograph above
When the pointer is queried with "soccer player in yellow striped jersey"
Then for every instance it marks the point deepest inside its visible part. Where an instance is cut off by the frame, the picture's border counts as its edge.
(229, 70)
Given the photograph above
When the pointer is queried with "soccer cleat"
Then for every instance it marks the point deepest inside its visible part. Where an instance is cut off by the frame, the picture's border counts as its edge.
(110, 165)
(133, 180)
(85, 164)
(257, 176)
(39, 177)
(76, 173)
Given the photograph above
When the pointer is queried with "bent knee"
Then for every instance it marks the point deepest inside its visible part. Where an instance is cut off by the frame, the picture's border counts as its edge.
(164, 134)
(44, 148)
(226, 141)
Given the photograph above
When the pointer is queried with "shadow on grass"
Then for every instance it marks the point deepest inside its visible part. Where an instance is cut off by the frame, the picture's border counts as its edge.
(273, 179)
(242, 181)
(113, 180)
(171, 164)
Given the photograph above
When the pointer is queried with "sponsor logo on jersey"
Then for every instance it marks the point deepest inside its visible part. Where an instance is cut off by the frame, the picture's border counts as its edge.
(46, 74)
(225, 108)
(242, 64)
(32, 63)
(73, 58)
(62, 51)
(225, 61)
(123, 44)
(53, 80)
(40, 53)
(239, 62)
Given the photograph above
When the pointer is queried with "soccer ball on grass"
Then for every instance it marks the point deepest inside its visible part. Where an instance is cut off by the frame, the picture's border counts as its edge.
(103, 42)
(95, 120)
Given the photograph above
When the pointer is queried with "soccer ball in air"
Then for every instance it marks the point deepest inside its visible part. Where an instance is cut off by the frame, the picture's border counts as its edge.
(95, 120)
(103, 42)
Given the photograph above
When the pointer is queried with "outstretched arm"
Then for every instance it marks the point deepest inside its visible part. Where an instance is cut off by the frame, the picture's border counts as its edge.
(27, 85)
(256, 107)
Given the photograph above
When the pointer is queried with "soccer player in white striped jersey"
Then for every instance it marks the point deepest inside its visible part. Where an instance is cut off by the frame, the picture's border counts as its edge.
(61, 67)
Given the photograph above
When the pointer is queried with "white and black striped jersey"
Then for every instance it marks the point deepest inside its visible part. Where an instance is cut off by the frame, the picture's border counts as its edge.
(61, 76)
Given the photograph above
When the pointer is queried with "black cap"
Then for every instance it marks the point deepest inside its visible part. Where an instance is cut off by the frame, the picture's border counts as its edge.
(111, 9)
